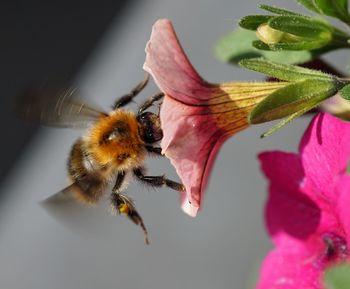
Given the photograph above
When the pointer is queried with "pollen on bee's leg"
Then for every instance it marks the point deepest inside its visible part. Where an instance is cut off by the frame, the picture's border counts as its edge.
(123, 205)
(123, 209)
(116, 203)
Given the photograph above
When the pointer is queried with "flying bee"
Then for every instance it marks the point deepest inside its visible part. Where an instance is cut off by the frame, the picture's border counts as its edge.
(114, 145)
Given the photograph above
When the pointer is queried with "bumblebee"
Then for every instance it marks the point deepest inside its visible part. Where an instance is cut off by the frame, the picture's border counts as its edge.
(114, 145)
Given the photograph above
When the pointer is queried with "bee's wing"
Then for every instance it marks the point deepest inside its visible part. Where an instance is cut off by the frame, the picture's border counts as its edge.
(73, 215)
(63, 196)
(56, 107)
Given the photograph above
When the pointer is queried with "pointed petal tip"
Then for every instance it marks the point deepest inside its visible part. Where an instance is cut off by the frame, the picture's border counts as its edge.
(169, 66)
(160, 27)
(159, 24)
(188, 207)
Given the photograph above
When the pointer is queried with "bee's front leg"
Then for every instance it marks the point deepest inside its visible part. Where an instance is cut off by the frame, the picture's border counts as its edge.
(154, 150)
(127, 98)
(150, 101)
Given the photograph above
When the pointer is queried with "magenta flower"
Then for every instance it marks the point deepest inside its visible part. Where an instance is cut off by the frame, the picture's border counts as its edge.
(196, 116)
(307, 211)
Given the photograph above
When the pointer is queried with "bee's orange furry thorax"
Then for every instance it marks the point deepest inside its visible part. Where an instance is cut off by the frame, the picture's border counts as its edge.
(125, 150)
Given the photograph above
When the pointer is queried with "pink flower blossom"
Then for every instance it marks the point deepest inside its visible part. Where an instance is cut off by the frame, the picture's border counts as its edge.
(307, 211)
(196, 116)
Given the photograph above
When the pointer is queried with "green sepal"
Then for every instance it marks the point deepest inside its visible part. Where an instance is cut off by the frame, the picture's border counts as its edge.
(309, 4)
(283, 71)
(337, 277)
(293, 98)
(334, 8)
(252, 22)
(258, 44)
(277, 10)
(345, 92)
(290, 118)
(301, 26)
(237, 45)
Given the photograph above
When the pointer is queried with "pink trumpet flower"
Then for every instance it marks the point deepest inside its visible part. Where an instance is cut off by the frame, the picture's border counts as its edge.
(196, 116)
(307, 212)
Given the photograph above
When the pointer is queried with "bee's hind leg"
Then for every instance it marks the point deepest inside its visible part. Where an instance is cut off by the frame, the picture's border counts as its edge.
(158, 181)
(115, 196)
(127, 98)
(122, 204)
(119, 182)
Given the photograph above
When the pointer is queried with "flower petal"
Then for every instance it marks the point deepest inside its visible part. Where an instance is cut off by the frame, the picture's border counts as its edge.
(191, 141)
(288, 210)
(170, 67)
(289, 269)
(343, 188)
(196, 116)
(325, 152)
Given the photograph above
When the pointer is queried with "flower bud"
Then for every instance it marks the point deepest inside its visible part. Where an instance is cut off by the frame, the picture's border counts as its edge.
(270, 35)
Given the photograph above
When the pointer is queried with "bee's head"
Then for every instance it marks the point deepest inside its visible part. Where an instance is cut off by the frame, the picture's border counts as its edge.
(150, 127)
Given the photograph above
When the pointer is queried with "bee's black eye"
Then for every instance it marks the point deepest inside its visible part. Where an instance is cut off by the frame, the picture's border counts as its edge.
(151, 131)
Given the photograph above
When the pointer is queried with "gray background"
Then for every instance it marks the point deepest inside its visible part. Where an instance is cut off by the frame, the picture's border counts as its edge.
(88, 248)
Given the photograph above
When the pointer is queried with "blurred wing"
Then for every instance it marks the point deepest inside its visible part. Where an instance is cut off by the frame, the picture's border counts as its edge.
(64, 196)
(73, 215)
(56, 107)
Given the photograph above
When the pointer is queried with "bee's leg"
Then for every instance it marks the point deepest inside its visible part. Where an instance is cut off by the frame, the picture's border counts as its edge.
(154, 150)
(158, 181)
(123, 205)
(149, 102)
(115, 196)
(118, 182)
(127, 98)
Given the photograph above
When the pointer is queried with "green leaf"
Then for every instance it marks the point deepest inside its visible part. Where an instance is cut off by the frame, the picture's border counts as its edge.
(252, 22)
(290, 57)
(309, 4)
(334, 8)
(291, 99)
(338, 277)
(283, 71)
(277, 10)
(345, 92)
(301, 45)
(301, 26)
(237, 45)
